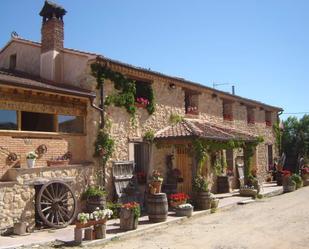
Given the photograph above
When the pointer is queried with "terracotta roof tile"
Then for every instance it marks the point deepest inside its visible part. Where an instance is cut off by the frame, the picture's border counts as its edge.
(30, 82)
(193, 128)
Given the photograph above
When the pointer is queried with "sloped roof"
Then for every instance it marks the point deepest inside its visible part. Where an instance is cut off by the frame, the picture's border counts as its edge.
(18, 79)
(201, 129)
(93, 56)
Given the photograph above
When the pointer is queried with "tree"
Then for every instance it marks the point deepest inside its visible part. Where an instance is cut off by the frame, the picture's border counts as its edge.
(295, 139)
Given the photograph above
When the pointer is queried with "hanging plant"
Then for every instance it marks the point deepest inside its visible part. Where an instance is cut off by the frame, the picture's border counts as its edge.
(104, 146)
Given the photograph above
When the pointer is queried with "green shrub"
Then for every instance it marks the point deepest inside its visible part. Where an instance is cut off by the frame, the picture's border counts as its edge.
(94, 191)
(297, 179)
(115, 207)
(200, 184)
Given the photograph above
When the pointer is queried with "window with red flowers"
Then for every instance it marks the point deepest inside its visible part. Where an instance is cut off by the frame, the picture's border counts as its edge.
(250, 115)
(191, 102)
(268, 121)
(144, 93)
(228, 110)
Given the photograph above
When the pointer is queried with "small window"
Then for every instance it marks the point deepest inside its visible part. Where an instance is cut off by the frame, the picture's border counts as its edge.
(268, 118)
(227, 110)
(144, 93)
(35, 121)
(8, 120)
(70, 124)
(251, 115)
(191, 102)
(13, 62)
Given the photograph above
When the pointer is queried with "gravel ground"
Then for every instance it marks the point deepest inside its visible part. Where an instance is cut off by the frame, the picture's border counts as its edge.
(280, 222)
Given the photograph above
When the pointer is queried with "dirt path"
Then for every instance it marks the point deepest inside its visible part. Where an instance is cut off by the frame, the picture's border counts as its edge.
(280, 222)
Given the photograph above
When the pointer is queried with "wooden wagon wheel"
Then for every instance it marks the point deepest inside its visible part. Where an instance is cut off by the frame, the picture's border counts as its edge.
(56, 204)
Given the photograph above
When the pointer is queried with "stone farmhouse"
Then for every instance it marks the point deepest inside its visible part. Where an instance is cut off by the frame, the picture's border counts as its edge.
(49, 104)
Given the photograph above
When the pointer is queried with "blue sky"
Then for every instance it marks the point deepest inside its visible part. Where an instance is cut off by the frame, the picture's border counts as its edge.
(260, 46)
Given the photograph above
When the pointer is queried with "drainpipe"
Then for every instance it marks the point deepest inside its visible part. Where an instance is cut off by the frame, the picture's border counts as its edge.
(100, 108)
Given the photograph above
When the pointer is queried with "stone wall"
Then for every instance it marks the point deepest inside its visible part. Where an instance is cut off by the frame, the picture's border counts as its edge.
(171, 101)
(17, 199)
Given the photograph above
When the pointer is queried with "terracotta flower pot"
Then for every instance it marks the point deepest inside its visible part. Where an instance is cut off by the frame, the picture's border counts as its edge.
(157, 186)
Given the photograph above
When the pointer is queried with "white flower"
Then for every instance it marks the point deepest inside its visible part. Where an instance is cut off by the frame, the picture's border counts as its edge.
(185, 206)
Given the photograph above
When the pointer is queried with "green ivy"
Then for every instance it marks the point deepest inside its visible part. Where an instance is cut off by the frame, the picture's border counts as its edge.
(104, 146)
(149, 136)
(249, 148)
(204, 147)
(278, 136)
(125, 97)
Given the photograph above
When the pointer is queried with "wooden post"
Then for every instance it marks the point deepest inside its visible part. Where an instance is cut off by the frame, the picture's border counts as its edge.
(78, 235)
(89, 233)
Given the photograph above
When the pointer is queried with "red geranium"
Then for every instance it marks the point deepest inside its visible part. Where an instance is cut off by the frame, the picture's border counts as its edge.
(305, 171)
(286, 173)
(179, 197)
(130, 205)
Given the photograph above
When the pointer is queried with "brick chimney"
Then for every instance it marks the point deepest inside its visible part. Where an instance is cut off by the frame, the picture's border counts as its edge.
(52, 32)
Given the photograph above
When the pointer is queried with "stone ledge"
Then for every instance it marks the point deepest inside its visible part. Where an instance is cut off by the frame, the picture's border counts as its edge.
(12, 174)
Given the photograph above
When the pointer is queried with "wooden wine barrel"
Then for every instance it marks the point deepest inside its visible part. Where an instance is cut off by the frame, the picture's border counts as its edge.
(93, 202)
(157, 207)
(203, 200)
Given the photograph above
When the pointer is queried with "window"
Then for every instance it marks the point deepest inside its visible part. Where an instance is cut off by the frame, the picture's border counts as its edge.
(70, 124)
(13, 62)
(144, 93)
(191, 102)
(35, 121)
(268, 118)
(227, 110)
(8, 120)
(251, 115)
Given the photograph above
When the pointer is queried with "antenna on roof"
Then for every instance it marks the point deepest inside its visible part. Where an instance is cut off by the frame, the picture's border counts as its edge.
(14, 34)
(215, 84)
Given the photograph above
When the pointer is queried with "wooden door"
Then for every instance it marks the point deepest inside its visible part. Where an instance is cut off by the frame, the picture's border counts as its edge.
(184, 164)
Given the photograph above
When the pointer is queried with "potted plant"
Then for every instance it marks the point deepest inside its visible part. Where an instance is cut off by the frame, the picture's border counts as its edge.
(214, 203)
(298, 180)
(305, 175)
(60, 161)
(97, 219)
(178, 199)
(129, 216)
(288, 184)
(95, 198)
(184, 210)
(253, 181)
(203, 195)
(248, 191)
(156, 182)
(31, 157)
